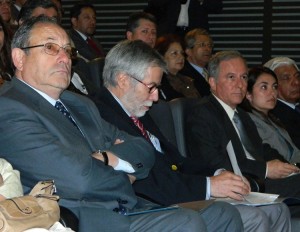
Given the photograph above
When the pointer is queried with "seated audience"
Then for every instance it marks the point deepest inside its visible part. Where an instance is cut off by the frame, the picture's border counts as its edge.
(131, 74)
(261, 98)
(287, 107)
(92, 162)
(174, 84)
(83, 22)
(198, 48)
(218, 120)
(6, 71)
(142, 26)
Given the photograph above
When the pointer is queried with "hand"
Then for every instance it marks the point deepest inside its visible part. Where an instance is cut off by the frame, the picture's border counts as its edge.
(278, 169)
(113, 160)
(131, 178)
(230, 185)
(118, 141)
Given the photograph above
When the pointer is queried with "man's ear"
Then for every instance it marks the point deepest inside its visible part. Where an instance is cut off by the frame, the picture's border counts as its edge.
(74, 22)
(188, 51)
(122, 81)
(18, 56)
(129, 35)
(249, 96)
(213, 84)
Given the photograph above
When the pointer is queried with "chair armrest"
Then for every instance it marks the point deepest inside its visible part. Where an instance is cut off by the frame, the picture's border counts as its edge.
(68, 218)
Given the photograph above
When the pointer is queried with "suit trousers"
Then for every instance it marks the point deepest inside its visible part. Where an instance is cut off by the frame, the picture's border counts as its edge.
(265, 218)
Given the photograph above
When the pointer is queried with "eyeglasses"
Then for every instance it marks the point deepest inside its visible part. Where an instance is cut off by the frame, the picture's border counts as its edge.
(53, 49)
(151, 88)
(203, 44)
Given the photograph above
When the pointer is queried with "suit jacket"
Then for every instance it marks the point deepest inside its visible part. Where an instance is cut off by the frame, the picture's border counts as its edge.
(83, 48)
(162, 185)
(209, 130)
(42, 144)
(199, 81)
(291, 120)
(167, 12)
(276, 137)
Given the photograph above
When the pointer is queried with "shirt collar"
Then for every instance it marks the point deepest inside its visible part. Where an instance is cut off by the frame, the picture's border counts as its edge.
(287, 103)
(120, 103)
(82, 35)
(229, 111)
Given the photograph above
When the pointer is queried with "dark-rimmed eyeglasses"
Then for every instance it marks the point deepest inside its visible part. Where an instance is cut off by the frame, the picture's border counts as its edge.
(151, 87)
(53, 49)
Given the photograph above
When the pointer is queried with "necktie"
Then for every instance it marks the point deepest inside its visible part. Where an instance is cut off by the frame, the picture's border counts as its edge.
(205, 74)
(94, 46)
(297, 108)
(243, 135)
(60, 107)
(139, 124)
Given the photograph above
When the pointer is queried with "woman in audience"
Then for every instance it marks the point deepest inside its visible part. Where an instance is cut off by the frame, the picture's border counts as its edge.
(5, 58)
(173, 84)
(261, 97)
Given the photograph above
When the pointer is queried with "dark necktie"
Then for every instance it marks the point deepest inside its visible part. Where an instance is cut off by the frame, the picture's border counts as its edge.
(60, 107)
(139, 124)
(94, 46)
(297, 108)
(243, 135)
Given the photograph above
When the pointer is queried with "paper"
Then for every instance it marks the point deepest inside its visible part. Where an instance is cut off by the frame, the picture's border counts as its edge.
(254, 199)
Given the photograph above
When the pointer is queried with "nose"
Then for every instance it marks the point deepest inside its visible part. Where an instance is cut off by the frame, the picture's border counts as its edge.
(63, 55)
(154, 96)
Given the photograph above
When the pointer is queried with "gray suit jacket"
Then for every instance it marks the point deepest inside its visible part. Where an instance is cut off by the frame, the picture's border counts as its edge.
(43, 144)
(275, 136)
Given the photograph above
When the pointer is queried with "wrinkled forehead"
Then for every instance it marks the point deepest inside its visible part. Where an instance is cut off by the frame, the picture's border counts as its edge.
(42, 32)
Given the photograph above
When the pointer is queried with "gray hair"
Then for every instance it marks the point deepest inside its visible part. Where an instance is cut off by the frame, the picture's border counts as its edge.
(132, 58)
(280, 61)
(214, 63)
(190, 37)
(22, 36)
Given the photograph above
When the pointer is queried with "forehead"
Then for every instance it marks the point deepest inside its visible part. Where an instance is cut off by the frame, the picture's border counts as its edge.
(202, 38)
(50, 12)
(285, 69)
(48, 32)
(266, 77)
(146, 23)
(175, 45)
(87, 11)
(235, 65)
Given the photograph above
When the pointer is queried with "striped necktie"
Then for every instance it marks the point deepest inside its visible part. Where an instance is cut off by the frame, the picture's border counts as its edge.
(139, 124)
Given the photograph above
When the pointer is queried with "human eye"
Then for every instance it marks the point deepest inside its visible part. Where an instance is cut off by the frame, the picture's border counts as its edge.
(144, 31)
(264, 87)
(245, 77)
(51, 48)
(231, 77)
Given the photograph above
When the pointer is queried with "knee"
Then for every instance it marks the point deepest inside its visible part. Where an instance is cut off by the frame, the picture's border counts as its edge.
(191, 221)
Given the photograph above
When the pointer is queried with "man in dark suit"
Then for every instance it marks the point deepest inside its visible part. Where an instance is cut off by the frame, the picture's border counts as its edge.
(50, 133)
(131, 80)
(83, 20)
(287, 108)
(211, 126)
(180, 16)
(199, 47)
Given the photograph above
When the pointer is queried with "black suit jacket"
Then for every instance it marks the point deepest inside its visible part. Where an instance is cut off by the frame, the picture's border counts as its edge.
(209, 130)
(83, 48)
(163, 185)
(167, 12)
(199, 81)
(291, 120)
